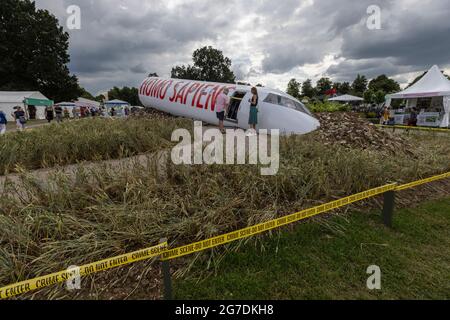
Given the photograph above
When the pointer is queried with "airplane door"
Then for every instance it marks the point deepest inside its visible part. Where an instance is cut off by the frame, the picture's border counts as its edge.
(238, 107)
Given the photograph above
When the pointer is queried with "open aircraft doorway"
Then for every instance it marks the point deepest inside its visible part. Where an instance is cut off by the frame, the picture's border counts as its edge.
(235, 105)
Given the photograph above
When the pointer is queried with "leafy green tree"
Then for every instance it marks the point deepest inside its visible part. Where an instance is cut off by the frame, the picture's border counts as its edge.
(130, 95)
(85, 94)
(209, 65)
(380, 97)
(323, 85)
(34, 52)
(359, 86)
(294, 88)
(308, 90)
(345, 88)
(369, 96)
(385, 84)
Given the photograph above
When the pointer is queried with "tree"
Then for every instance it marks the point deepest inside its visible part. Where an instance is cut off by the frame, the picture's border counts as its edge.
(369, 96)
(383, 83)
(293, 88)
(85, 94)
(380, 97)
(324, 85)
(359, 86)
(153, 74)
(130, 95)
(34, 52)
(345, 88)
(307, 89)
(209, 65)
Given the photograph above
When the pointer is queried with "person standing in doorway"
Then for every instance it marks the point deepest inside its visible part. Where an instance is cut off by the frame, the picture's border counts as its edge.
(253, 117)
(222, 103)
(3, 123)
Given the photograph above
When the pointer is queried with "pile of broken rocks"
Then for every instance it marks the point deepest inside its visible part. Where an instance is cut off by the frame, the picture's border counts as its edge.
(353, 131)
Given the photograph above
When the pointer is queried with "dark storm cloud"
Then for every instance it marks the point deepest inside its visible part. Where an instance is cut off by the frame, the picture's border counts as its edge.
(412, 39)
(121, 41)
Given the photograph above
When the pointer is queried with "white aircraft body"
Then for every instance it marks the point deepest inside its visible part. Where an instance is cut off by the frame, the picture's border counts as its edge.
(197, 99)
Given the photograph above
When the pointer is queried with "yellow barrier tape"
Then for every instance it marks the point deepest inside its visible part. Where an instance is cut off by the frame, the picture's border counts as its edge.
(45, 281)
(161, 249)
(414, 128)
(424, 181)
(269, 225)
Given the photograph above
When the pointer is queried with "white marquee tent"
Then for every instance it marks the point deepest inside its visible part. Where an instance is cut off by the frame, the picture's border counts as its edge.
(433, 85)
(11, 99)
(346, 98)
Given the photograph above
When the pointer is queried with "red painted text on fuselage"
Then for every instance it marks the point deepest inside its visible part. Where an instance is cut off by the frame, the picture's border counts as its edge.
(193, 94)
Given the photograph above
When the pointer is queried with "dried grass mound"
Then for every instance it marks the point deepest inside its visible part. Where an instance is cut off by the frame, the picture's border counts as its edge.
(150, 113)
(352, 131)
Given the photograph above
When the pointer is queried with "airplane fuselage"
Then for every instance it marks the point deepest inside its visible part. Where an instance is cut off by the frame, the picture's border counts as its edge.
(197, 100)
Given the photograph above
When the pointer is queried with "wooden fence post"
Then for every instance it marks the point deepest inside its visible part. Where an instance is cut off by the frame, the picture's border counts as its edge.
(388, 208)
(167, 277)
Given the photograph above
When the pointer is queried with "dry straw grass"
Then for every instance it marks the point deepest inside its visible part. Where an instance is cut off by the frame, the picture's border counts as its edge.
(101, 213)
(90, 139)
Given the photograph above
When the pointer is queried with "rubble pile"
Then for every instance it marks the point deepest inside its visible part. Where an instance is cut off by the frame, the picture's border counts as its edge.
(352, 131)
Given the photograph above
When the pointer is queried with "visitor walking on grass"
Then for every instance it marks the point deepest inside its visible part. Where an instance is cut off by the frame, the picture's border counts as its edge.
(66, 113)
(222, 103)
(253, 117)
(49, 115)
(19, 117)
(385, 116)
(3, 123)
(59, 114)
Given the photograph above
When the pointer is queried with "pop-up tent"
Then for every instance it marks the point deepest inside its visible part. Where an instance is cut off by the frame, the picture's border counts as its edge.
(82, 102)
(346, 98)
(432, 95)
(33, 102)
(118, 106)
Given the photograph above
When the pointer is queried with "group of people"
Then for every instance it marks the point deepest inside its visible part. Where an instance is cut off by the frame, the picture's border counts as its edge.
(386, 117)
(58, 113)
(222, 109)
(19, 117)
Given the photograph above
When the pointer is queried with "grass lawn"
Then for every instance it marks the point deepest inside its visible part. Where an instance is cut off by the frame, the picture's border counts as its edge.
(11, 126)
(329, 260)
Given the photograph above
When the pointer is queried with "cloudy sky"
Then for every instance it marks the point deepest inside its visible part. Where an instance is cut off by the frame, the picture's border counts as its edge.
(269, 42)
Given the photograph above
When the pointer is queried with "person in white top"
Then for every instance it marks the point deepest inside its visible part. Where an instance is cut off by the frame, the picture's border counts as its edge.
(222, 103)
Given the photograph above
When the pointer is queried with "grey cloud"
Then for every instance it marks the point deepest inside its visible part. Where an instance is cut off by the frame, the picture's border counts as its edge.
(120, 39)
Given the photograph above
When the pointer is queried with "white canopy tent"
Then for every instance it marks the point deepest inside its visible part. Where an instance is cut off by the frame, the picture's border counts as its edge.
(346, 98)
(11, 99)
(82, 102)
(118, 106)
(433, 85)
